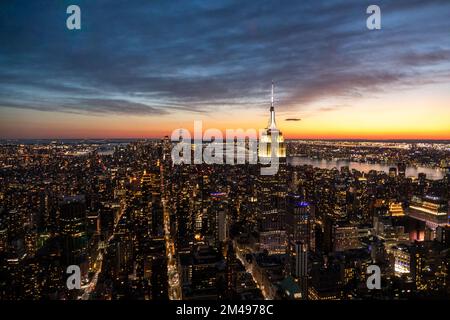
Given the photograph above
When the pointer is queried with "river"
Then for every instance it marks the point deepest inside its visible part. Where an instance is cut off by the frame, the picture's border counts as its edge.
(433, 174)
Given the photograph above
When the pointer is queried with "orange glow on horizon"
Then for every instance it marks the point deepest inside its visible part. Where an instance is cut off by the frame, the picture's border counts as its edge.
(421, 114)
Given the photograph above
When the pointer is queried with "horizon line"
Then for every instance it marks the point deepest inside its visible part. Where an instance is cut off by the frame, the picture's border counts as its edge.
(286, 139)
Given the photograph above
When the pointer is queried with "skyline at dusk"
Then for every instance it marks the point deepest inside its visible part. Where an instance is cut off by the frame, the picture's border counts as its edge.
(224, 158)
(145, 70)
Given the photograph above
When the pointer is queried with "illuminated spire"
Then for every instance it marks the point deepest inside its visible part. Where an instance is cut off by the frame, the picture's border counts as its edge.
(271, 106)
(272, 124)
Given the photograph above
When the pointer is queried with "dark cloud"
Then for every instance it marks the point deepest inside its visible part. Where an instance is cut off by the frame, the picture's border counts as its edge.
(86, 106)
(292, 119)
(164, 57)
(102, 106)
(426, 58)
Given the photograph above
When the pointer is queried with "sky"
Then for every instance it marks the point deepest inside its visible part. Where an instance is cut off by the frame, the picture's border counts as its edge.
(143, 68)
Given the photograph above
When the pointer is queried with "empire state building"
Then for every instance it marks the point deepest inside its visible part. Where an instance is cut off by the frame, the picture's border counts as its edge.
(272, 188)
(272, 132)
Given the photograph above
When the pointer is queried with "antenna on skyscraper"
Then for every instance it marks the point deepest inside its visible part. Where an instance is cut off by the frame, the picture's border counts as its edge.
(272, 96)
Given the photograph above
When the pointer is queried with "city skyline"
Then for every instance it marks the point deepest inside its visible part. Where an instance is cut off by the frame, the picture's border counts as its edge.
(232, 157)
(142, 71)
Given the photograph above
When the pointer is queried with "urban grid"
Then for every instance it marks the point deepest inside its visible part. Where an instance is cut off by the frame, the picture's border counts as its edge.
(140, 227)
(220, 153)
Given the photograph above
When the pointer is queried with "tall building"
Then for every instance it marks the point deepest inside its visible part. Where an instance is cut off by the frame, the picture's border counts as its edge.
(272, 188)
(432, 210)
(152, 201)
(72, 222)
(166, 150)
(401, 166)
(300, 221)
(301, 237)
(401, 258)
(231, 270)
(222, 225)
(396, 209)
(272, 229)
(392, 172)
(345, 237)
(216, 226)
(301, 267)
(272, 132)
(205, 273)
(443, 235)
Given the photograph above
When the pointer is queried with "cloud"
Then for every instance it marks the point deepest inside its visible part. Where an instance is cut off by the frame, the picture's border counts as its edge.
(425, 58)
(162, 58)
(102, 106)
(88, 106)
(292, 119)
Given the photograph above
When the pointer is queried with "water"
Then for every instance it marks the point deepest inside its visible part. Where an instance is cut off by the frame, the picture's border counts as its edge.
(433, 174)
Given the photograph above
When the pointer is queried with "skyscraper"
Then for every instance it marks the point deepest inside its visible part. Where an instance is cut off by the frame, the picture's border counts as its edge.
(401, 169)
(272, 188)
(301, 267)
(300, 221)
(72, 221)
(272, 133)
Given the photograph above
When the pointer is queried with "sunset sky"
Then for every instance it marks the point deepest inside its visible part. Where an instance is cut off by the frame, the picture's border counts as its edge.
(140, 69)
